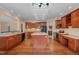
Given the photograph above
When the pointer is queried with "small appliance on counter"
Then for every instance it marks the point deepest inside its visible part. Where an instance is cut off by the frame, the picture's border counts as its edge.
(61, 31)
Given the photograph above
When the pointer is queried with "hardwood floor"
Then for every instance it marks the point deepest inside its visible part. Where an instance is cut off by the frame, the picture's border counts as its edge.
(25, 48)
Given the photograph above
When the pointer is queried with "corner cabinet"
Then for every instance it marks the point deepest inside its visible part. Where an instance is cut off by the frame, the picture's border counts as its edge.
(75, 19)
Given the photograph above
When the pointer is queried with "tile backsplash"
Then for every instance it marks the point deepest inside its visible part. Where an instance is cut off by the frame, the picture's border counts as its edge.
(72, 31)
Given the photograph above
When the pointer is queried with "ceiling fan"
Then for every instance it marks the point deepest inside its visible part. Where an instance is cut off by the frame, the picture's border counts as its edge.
(40, 4)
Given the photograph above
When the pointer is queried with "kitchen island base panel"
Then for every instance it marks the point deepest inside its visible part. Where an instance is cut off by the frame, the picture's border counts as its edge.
(40, 41)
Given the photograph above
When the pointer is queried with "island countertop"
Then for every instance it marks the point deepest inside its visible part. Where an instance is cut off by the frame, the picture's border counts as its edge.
(39, 33)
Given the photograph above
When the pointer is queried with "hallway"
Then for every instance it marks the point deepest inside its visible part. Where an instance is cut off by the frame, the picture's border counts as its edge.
(26, 48)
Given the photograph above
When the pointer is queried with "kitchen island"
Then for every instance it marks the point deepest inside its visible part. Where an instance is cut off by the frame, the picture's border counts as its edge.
(40, 40)
(9, 40)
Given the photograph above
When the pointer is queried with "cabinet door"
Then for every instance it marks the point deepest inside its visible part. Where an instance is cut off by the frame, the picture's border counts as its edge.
(75, 19)
(3, 43)
(63, 22)
(77, 45)
(11, 42)
(61, 39)
(72, 44)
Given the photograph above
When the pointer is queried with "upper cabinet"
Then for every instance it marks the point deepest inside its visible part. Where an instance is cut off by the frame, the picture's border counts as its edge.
(71, 19)
(63, 22)
(75, 18)
(66, 21)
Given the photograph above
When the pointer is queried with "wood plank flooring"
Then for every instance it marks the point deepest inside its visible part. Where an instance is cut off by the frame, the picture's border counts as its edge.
(26, 48)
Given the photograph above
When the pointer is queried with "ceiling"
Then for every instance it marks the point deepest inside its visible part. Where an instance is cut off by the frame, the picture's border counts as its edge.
(6, 19)
(28, 12)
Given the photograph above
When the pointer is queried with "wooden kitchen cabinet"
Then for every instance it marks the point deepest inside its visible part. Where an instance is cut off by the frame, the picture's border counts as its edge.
(61, 39)
(69, 42)
(71, 19)
(75, 18)
(3, 43)
(13, 40)
(66, 21)
(63, 22)
(72, 44)
(8, 42)
(77, 45)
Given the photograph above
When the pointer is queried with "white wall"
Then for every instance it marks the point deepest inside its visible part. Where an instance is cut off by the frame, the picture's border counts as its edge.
(52, 23)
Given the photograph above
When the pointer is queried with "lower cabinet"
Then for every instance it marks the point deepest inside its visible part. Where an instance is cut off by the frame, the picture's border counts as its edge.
(61, 39)
(74, 45)
(3, 43)
(77, 45)
(71, 43)
(7, 43)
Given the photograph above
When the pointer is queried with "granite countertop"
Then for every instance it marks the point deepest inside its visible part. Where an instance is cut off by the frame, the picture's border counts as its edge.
(9, 34)
(71, 36)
